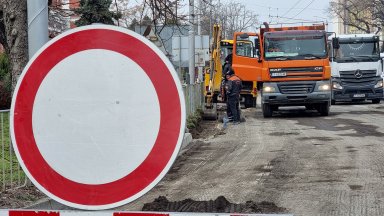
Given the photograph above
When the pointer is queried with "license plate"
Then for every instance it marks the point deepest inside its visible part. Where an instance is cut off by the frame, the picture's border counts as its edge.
(279, 74)
(358, 95)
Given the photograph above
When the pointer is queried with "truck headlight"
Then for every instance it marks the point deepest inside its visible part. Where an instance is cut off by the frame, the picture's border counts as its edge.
(324, 87)
(379, 84)
(269, 89)
(336, 85)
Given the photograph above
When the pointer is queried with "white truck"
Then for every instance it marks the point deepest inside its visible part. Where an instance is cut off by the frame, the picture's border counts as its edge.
(357, 67)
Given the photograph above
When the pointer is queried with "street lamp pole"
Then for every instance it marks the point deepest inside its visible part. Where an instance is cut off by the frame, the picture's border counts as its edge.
(191, 42)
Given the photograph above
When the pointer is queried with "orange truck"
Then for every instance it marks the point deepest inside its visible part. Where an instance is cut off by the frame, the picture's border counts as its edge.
(289, 63)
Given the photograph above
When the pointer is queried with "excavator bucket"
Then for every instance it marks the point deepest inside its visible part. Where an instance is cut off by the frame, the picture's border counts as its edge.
(210, 113)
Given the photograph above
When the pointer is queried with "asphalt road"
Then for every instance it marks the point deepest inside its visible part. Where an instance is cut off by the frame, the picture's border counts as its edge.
(308, 164)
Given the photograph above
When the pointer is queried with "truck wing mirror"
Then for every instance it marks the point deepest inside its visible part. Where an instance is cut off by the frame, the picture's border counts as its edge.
(335, 43)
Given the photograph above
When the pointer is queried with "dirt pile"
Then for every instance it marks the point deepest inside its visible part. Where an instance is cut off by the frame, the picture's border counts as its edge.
(205, 129)
(19, 198)
(219, 205)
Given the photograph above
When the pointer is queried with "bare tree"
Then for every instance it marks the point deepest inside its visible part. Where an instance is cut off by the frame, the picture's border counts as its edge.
(232, 17)
(58, 17)
(363, 15)
(130, 13)
(13, 35)
(239, 19)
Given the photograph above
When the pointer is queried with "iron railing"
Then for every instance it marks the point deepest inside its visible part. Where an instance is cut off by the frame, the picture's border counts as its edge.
(194, 98)
(12, 176)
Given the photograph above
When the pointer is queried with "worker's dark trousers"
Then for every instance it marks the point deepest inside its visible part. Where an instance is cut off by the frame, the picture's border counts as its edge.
(229, 113)
(233, 102)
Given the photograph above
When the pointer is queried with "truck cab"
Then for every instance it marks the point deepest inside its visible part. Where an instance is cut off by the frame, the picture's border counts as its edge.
(356, 68)
(291, 64)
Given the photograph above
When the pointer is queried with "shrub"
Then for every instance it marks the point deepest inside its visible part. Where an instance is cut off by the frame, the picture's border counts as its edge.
(5, 82)
(194, 119)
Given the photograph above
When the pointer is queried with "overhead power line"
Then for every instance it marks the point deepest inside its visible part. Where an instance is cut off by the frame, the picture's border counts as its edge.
(303, 9)
(284, 8)
(294, 5)
(303, 20)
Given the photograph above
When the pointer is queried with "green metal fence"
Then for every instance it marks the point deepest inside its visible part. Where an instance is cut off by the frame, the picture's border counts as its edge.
(11, 174)
(193, 97)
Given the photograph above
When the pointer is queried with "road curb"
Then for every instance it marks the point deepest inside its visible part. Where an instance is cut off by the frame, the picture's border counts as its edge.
(186, 141)
(48, 204)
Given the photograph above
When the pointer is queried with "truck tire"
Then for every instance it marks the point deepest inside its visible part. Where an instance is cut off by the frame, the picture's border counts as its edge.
(323, 109)
(274, 108)
(267, 111)
(250, 101)
(376, 101)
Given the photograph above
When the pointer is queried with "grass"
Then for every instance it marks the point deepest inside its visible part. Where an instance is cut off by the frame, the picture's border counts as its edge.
(10, 172)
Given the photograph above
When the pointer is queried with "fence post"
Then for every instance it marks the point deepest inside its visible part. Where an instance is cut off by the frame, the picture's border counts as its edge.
(2, 150)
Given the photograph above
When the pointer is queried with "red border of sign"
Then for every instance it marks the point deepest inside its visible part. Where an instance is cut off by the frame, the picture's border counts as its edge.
(170, 120)
(109, 213)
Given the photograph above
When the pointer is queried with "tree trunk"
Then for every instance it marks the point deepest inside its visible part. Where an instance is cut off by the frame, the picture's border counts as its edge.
(16, 30)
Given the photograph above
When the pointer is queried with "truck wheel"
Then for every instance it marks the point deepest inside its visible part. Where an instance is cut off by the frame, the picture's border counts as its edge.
(253, 101)
(274, 108)
(376, 101)
(323, 109)
(267, 111)
(333, 102)
(250, 101)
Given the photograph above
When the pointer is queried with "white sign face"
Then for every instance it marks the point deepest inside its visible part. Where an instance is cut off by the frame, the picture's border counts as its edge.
(97, 117)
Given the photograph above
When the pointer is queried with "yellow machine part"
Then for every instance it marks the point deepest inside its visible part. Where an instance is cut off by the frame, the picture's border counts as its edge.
(213, 74)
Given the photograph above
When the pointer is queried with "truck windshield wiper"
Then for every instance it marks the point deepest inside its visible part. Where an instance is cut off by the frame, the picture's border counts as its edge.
(366, 56)
(351, 57)
(310, 56)
(280, 58)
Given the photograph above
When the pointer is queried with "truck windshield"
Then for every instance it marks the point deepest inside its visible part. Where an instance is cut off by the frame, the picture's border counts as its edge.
(294, 47)
(357, 51)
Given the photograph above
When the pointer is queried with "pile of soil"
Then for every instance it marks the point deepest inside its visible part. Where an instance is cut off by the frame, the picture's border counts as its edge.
(219, 205)
(20, 198)
(205, 129)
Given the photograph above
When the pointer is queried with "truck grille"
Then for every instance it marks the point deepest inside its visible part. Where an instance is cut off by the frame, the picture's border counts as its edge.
(359, 91)
(299, 72)
(296, 88)
(358, 77)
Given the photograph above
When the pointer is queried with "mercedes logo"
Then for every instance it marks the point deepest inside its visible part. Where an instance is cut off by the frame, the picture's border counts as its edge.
(358, 74)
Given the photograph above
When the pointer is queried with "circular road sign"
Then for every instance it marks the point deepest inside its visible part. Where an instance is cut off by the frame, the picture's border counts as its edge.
(97, 117)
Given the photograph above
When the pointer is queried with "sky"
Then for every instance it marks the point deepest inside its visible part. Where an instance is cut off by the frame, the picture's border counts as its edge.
(288, 11)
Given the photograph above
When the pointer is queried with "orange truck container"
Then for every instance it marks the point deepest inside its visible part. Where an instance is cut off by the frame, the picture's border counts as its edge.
(289, 63)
